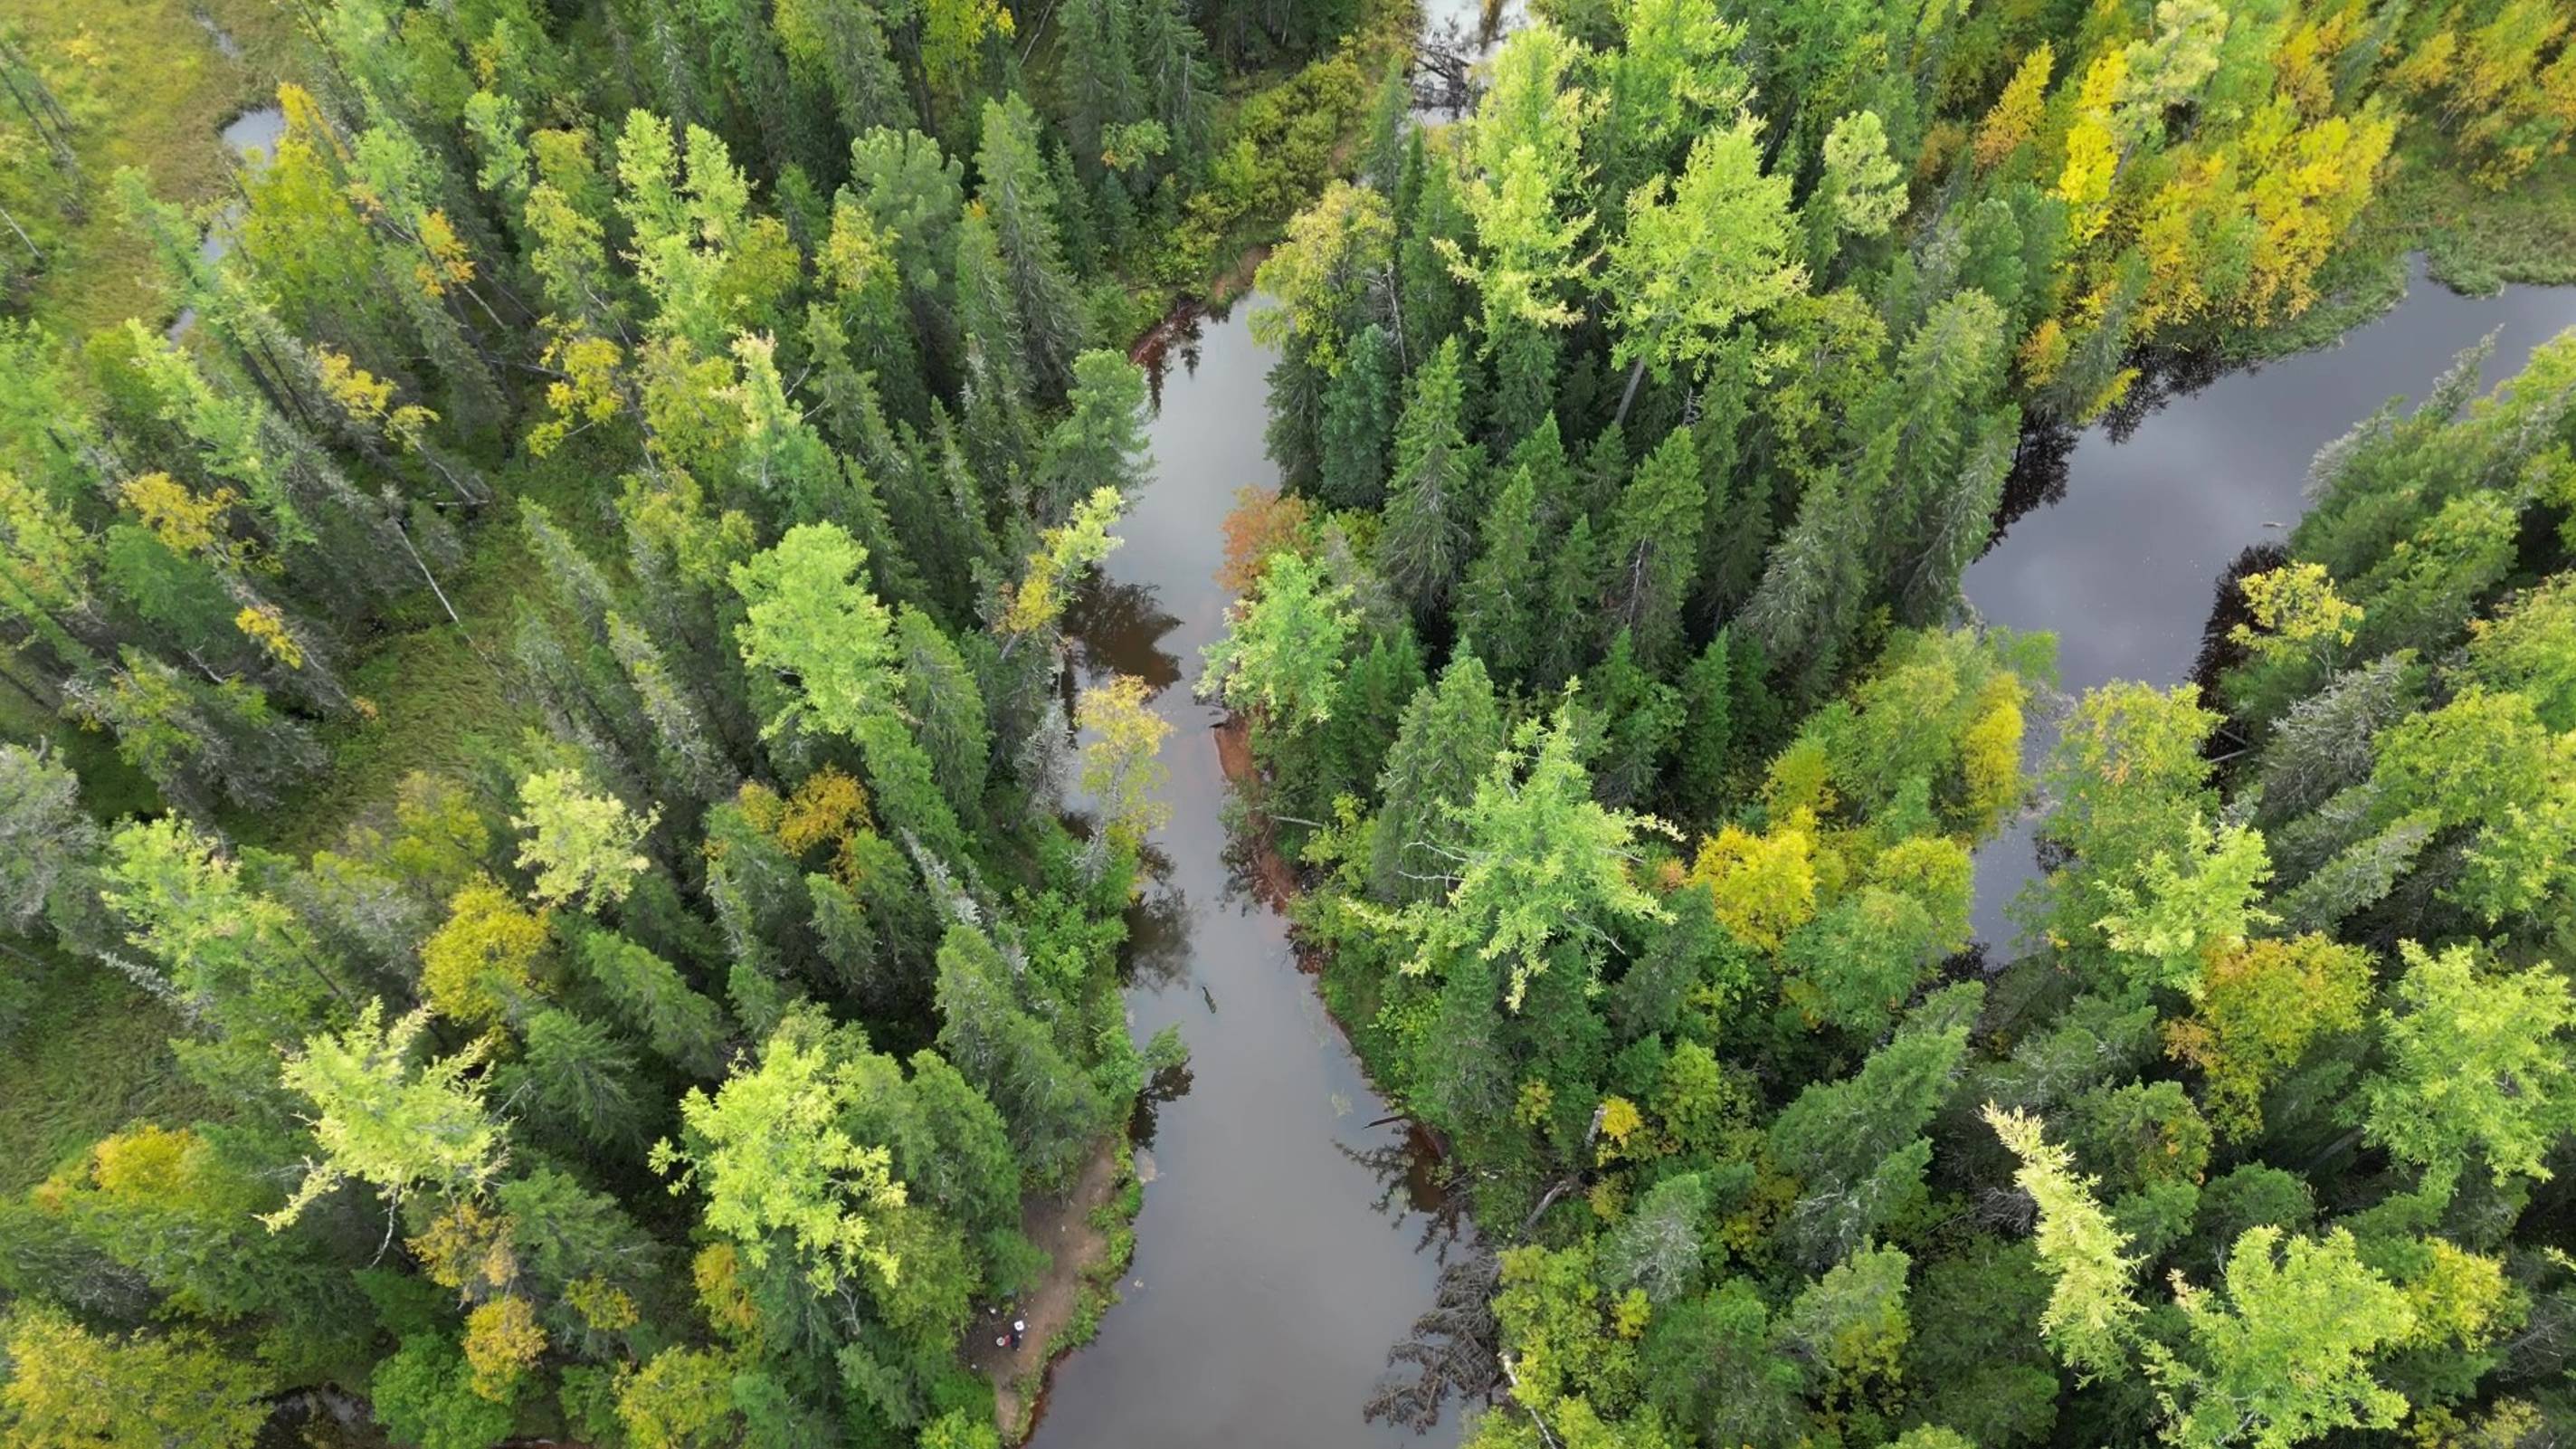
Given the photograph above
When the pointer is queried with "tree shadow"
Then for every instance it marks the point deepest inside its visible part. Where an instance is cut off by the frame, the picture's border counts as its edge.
(2037, 477)
(1117, 628)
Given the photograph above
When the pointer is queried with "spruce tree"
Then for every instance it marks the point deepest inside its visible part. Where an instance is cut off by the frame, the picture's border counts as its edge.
(1019, 200)
(1423, 541)
(1500, 610)
(1654, 553)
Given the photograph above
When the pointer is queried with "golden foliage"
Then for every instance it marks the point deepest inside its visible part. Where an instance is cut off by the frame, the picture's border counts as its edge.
(2016, 113)
(1122, 767)
(502, 1342)
(267, 628)
(184, 522)
(484, 958)
(2260, 1005)
(1763, 886)
(148, 1162)
(827, 807)
(467, 1248)
(603, 1305)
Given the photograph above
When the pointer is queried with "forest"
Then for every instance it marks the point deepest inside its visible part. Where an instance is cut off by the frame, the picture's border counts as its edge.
(560, 881)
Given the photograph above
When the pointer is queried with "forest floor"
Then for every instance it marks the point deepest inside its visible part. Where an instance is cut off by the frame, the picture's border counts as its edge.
(1076, 1230)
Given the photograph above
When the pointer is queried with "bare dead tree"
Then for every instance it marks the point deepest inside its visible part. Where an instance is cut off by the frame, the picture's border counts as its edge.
(1455, 1350)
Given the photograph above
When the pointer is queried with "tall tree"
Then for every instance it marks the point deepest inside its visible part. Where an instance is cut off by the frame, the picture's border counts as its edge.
(1692, 264)
(1450, 734)
(1020, 201)
(1654, 549)
(1423, 543)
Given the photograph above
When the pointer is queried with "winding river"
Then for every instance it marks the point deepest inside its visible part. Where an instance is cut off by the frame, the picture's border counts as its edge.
(2122, 568)
(1288, 1238)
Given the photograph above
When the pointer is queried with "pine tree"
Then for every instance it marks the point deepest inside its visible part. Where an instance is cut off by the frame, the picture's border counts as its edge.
(914, 194)
(1855, 1147)
(1171, 59)
(1434, 300)
(839, 47)
(1052, 1109)
(1423, 541)
(947, 710)
(1654, 553)
(1020, 201)
(1639, 717)
(1367, 711)
(1707, 741)
(1568, 622)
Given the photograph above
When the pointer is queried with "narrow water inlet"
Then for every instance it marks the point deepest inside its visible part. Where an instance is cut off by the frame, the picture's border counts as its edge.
(225, 44)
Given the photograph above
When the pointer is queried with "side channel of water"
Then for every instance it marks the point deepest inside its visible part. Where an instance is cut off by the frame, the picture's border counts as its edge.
(2122, 567)
(252, 137)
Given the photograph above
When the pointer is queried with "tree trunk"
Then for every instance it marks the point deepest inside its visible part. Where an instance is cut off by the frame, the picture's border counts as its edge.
(1636, 374)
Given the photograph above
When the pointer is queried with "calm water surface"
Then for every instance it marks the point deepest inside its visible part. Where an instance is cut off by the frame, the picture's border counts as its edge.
(2123, 567)
(1288, 1237)
(1281, 1250)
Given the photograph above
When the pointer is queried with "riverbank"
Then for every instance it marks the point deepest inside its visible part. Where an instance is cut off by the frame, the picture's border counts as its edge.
(1088, 1234)
(2474, 241)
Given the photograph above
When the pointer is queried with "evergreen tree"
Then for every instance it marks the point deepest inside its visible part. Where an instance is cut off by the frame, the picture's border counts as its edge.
(1359, 422)
(1450, 732)
(1423, 542)
(1019, 200)
(1654, 549)
(1500, 609)
(1101, 442)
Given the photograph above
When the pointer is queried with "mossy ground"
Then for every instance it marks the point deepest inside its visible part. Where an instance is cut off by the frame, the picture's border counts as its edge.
(154, 91)
(92, 1056)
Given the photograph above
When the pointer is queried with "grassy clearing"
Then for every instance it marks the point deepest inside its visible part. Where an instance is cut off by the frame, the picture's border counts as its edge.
(150, 89)
(92, 1056)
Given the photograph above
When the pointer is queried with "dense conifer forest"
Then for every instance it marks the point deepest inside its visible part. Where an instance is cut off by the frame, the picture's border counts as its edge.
(559, 882)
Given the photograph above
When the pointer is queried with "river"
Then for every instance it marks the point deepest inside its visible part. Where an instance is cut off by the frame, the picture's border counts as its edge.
(1282, 1247)
(1285, 1241)
(2123, 567)
(1289, 1235)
